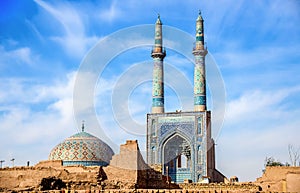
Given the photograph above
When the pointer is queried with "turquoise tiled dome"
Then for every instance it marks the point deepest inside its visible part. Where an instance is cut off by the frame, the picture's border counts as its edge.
(82, 149)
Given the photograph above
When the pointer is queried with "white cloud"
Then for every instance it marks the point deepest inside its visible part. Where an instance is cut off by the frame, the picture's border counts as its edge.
(23, 54)
(20, 56)
(26, 91)
(35, 116)
(74, 45)
(242, 153)
(75, 41)
(258, 124)
(110, 14)
(256, 105)
(34, 29)
(260, 56)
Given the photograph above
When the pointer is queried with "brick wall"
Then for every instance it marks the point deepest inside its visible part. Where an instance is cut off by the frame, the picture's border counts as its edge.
(280, 178)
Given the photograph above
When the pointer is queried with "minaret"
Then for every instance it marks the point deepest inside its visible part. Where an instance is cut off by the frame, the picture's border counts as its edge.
(158, 54)
(199, 71)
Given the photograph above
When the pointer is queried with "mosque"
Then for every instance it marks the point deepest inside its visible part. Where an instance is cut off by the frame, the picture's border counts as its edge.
(178, 143)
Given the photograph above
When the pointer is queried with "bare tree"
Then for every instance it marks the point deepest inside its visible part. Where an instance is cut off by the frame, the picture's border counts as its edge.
(294, 155)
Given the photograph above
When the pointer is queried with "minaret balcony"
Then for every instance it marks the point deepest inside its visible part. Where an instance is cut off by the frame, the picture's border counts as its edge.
(158, 52)
(199, 49)
(199, 52)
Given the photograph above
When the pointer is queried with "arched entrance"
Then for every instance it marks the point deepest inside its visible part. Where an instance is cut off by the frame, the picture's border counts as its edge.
(177, 158)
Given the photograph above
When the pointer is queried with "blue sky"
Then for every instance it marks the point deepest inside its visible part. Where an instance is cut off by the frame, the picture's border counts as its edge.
(255, 45)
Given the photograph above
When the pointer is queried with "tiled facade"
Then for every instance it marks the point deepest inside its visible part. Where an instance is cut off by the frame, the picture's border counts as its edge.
(178, 141)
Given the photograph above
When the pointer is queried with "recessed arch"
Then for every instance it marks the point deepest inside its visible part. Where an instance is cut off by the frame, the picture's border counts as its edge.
(176, 151)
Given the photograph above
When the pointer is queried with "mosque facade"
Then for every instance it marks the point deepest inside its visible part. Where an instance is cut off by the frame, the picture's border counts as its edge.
(180, 142)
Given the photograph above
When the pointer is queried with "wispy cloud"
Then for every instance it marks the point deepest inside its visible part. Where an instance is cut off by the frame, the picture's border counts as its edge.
(258, 124)
(255, 105)
(248, 148)
(75, 41)
(34, 29)
(21, 55)
(260, 56)
(110, 14)
(35, 114)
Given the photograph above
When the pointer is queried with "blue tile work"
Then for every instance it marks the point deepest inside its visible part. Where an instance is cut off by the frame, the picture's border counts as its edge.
(82, 149)
(158, 102)
(200, 100)
(199, 53)
(190, 130)
(158, 54)
(167, 127)
(182, 174)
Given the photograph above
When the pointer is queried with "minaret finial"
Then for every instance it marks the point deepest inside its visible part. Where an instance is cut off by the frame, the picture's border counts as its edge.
(82, 127)
(158, 21)
(199, 11)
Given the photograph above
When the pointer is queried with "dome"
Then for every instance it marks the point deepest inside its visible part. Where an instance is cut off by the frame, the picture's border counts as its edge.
(82, 149)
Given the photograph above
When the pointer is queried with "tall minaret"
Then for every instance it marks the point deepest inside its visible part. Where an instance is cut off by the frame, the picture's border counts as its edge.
(199, 72)
(158, 54)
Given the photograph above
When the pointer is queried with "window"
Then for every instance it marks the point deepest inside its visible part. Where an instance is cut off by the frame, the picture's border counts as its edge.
(153, 130)
(199, 125)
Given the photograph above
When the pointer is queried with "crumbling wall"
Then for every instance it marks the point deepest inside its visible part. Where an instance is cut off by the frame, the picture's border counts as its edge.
(129, 157)
(49, 163)
(22, 178)
(127, 170)
(293, 182)
(221, 187)
(149, 191)
(280, 179)
(119, 178)
(25, 177)
(130, 162)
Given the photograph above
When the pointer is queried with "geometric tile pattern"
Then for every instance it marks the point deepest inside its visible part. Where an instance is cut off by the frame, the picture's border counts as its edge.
(167, 136)
(82, 149)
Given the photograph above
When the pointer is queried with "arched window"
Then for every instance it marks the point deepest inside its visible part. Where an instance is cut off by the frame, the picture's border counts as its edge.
(199, 125)
(153, 129)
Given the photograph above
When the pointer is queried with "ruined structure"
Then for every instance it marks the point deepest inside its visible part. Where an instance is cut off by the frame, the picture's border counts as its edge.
(180, 142)
(126, 171)
(280, 179)
(137, 177)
